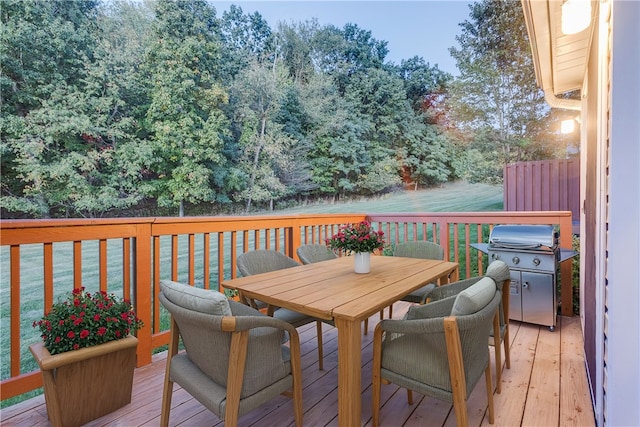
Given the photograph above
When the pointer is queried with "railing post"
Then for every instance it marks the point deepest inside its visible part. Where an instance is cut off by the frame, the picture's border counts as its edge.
(566, 279)
(294, 239)
(444, 238)
(142, 292)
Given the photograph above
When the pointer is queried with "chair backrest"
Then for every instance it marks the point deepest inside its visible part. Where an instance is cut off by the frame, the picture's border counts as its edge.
(480, 304)
(474, 330)
(314, 253)
(263, 261)
(419, 249)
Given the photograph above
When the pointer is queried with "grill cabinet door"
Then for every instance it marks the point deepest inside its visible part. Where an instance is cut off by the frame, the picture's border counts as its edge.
(538, 298)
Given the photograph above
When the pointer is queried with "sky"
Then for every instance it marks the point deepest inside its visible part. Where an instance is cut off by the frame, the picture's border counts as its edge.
(424, 28)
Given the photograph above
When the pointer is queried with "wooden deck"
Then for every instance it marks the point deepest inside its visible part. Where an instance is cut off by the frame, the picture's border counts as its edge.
(546, 386)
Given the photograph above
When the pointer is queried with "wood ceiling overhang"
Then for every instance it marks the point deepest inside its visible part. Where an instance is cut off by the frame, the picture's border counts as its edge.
(560, 60)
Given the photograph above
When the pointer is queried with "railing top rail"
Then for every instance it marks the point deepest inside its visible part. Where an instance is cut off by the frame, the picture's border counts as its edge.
(497, 214)
(68, 222)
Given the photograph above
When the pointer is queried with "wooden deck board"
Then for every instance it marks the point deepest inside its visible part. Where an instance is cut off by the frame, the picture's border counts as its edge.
(510, 404)
(575, 399)
(543, 398)
(546, 385)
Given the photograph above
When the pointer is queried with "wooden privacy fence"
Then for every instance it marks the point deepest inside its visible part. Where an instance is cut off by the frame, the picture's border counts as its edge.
(546, 185)
(44, 259)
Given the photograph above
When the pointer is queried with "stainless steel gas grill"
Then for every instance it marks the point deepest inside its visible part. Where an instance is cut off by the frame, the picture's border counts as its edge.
(533, 256)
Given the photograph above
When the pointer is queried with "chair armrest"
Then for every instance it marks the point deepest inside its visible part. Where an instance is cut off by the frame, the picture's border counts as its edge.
(418, 326)
(440, 308)
(452, 289)
(249, 318)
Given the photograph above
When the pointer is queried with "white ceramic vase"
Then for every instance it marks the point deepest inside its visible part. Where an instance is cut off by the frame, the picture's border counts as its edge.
(362, 262)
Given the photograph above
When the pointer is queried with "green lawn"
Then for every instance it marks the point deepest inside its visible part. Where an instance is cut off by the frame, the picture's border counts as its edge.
(452, 197)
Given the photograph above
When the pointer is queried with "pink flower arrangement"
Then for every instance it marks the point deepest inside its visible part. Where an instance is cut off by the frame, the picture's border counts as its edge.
(85, 320)
(358, 237)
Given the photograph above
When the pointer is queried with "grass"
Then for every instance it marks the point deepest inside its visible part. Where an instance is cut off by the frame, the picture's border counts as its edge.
(454, 197)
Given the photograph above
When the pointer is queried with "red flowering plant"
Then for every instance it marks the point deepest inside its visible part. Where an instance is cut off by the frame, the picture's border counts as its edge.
(358, 237)
(85, 320)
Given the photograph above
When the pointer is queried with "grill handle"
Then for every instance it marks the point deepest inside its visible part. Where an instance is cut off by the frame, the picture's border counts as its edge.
(515, 245)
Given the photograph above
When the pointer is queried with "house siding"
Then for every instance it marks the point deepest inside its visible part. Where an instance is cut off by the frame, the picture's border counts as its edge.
(621, 339)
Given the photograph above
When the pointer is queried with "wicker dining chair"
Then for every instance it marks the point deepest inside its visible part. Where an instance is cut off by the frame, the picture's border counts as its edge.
(417, 249)
(314, 252)
(234, 357)
(499, 272)
(263, 261)
(439, 349)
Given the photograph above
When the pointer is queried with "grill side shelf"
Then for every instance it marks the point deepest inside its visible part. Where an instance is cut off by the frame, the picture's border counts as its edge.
(565, 254)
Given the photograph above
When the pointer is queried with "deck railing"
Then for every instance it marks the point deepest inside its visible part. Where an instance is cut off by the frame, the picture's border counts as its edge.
(43, 259)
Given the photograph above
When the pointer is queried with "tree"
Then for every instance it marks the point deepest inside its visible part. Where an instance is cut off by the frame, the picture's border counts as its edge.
(496, 92)
(246, 38)
(184, 115)
(258, 93)
(333, 136)
(294, 44)
(343, 53)
(425, 86)
(65, 144)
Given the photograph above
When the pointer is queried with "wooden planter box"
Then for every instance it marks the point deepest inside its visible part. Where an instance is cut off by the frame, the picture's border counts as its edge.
(85, 384)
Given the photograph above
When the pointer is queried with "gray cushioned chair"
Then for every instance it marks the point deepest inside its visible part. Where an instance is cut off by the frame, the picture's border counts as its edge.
(439, 349)
(417, 249)
(499, 272)
(234, 358)
(263, 261)
(314, 253)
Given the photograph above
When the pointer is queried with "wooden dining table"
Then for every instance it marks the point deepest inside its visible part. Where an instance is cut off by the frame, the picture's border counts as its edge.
(331, 290)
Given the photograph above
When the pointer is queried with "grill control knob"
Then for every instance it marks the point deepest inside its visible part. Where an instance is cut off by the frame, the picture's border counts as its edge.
(516, 260)
(494, 256)
(536, 261)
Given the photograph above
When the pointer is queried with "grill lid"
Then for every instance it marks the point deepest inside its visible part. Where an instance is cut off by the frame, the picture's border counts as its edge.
(540, 237)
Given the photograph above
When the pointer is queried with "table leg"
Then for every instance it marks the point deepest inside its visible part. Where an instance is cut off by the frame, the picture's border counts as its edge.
(349, 372)
(451, 277)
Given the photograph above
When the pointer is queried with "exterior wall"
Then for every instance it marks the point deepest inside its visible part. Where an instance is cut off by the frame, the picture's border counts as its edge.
(621, 377)
(593, 223)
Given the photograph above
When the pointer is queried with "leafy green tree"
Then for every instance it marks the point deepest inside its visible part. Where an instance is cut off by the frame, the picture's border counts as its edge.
(65, 144)
(344, 52)
(246, 38)
(426, 88)
(426, 154)
(184, 116)
(496, 91)
(428, 151)
(294, 45)
(126, 38)
(422, 82)
(334, 137)
(258, 93)
(43, 45)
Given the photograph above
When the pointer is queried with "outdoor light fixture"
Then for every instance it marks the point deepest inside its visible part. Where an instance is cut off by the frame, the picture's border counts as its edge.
(567, 126)
(576, 15)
